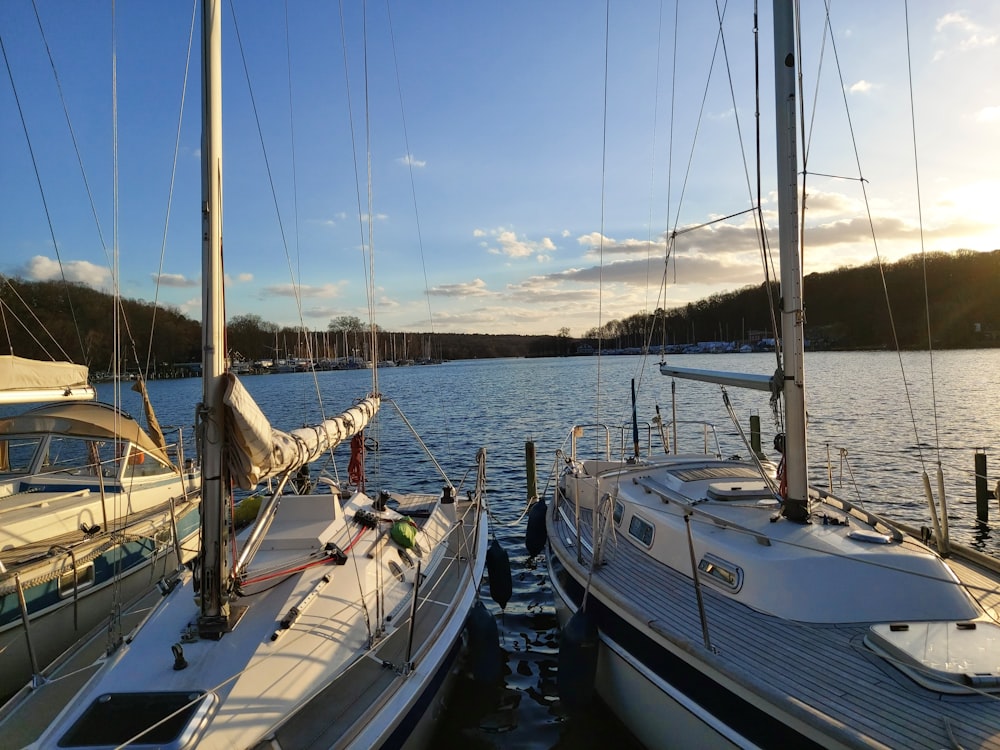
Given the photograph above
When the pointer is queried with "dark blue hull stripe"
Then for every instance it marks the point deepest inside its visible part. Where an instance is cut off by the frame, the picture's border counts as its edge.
(409, 723)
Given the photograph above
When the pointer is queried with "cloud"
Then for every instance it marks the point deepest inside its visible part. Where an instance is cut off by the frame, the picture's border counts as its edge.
(40, 268)
(970, 35)
(597, 243)
(506, 242)
(326, 291)
(820, 203)
(861, 87)
(474, 288)
(176, 280)
(988, 114)
(409, 160)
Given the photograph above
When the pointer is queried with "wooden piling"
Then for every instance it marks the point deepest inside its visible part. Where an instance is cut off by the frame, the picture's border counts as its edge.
(529, 462)
(982, 493)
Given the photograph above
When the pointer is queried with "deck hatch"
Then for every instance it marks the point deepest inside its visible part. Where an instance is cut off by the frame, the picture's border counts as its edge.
(949, 657)
(716, 472)
(115, 718)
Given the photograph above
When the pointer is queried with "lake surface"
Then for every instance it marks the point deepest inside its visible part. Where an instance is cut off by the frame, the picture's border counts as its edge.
(856, 401)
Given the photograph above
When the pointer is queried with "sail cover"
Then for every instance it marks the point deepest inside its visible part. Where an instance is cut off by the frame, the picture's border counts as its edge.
(256, 451)
(24, 381)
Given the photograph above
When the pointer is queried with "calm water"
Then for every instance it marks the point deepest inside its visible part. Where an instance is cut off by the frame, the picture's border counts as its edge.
(856, 401)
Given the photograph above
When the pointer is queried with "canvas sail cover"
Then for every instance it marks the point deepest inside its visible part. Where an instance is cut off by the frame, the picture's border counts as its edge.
(25, 381)
(256, 451)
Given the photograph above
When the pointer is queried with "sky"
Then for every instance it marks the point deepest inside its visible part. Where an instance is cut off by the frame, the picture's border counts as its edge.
(528, 160)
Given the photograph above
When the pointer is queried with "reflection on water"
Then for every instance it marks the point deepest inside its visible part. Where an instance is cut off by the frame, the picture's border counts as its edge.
(878, 435)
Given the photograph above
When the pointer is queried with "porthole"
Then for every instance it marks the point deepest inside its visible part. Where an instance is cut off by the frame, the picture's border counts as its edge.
(722, 573)
(70, 582)
(641, 530)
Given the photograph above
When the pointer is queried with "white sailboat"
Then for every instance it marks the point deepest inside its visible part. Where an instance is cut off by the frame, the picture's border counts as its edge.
(92, 510)
(728, 605)
(333, 621)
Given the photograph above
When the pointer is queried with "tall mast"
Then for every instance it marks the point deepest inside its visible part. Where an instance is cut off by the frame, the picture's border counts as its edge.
(214, 617)
(796, 506)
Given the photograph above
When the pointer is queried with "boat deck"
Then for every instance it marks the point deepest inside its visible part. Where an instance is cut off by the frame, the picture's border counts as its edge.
(875, 703)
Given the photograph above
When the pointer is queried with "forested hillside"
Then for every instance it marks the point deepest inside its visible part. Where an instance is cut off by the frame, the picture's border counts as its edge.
(848, 308)
(845, 309)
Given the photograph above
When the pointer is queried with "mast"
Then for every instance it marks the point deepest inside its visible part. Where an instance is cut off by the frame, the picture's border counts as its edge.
(796, 506)
(214, 617)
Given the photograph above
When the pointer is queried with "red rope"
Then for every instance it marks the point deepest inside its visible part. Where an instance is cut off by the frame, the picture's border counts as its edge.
(305, 566)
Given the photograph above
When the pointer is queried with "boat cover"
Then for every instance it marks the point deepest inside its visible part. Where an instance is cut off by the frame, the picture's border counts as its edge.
(256, 451)
(30, 380)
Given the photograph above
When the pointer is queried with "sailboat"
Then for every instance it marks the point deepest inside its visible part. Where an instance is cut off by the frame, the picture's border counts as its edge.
(717, 602)
(333, 621)
(92, 511)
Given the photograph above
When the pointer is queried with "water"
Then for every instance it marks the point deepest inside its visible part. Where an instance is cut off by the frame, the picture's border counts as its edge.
(856, 401)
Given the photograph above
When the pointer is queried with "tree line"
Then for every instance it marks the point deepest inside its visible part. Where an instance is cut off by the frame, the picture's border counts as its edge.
(864, 307)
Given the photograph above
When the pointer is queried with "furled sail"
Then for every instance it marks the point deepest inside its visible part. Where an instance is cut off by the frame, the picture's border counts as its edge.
(256, 451)
(24, 381)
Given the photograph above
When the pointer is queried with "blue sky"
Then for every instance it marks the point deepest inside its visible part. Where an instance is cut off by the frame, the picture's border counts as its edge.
(515, 160)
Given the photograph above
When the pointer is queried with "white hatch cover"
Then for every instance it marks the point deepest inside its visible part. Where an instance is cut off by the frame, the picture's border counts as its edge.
(739, 490)
(950, 657)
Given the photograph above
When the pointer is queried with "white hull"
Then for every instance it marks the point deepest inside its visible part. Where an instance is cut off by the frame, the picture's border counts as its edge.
(57, 628)
(316, 683)
(656, 714)
(747, 658)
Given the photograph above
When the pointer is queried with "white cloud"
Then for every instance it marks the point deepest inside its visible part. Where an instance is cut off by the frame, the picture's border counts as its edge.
(988, 114)
(40, 268)
(474, 288)
(970, 35)
(325, 291)
(861, 87)
(411, 161)
(177, 280)
(506, 242)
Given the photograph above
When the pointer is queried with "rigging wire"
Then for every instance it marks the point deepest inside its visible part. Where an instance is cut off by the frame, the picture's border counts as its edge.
(170, 190)
(409, 165)
(871, 225)
(920, 223)
(38, 178)
(604, 159)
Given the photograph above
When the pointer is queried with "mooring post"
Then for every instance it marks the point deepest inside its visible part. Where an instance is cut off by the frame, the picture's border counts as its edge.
(531, 468)
(982, 494)
(755, 435)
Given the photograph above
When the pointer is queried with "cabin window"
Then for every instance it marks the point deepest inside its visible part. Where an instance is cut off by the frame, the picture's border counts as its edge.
(80, 457)
(16, 454)
(84, 578)
(721, 572)
(142, 464)
(642, 530)
(619, 512)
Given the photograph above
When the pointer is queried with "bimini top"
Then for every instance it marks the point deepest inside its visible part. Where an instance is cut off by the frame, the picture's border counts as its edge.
(82, 419)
